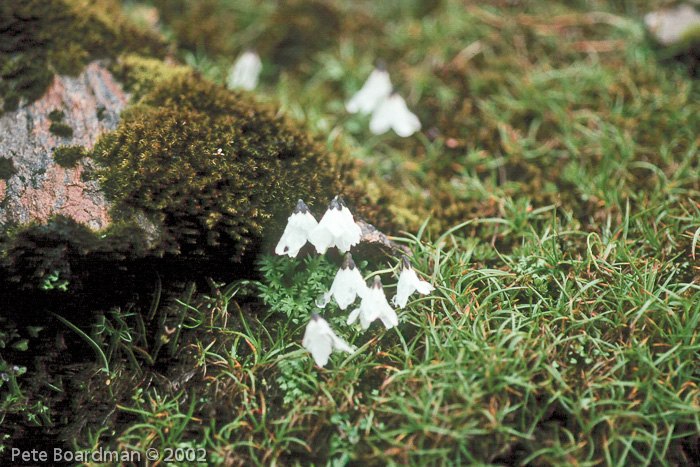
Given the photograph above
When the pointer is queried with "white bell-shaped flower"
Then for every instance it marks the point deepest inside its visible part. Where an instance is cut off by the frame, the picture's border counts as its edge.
(374, 306)
(373, 92)
(296, 233)
(409, 283)
(336, 228)
(347, 285)
(320, 340)
(245, 72)
(393, 113)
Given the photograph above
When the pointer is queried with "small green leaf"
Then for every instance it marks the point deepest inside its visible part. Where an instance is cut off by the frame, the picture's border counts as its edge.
(22, 345)
(34, 330)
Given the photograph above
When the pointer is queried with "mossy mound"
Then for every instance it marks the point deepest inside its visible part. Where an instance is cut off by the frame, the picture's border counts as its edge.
(211, 169)
(40, 38)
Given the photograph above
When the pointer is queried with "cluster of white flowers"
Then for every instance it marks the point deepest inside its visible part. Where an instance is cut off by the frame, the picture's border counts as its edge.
(389, 111)
(337, 228)
(377, 96)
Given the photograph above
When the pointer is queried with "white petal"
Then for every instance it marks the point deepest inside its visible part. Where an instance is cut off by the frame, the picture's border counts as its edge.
(368, 312)
(424, 288)
(323, 300)
(245, 72)
(393, 113)
(365, 312)
(324, 235)
(409, 283)
(347, 285)
(388, 317)
(382, 117)
(374, 306)
(336, 228)
(406, 122)
(320, 340)
(340, 344)
(351, 231)
(321, 239)
(334, 220)
(352, 317)
(382, 309)
(296, 233)
(320, 347)
(376, 89)
(403, 288)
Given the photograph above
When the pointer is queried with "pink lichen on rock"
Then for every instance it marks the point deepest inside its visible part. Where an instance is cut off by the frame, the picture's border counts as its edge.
(91, 103)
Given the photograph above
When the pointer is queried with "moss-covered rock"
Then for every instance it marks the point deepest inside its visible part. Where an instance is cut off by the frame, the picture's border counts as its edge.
(39, 39)
(211, 168)
(191, 169)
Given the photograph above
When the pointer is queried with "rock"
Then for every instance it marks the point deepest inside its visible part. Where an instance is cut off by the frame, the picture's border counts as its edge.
(371, 235)
(376, 248)
(91, 104)
(669, 25)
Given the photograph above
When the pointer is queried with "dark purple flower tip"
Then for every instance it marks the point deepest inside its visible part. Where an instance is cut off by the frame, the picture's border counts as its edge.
(315, 316)
(377, 284)
(405, 262)
(348, 263)
(337, 203)
(301, 207)
(380, 64)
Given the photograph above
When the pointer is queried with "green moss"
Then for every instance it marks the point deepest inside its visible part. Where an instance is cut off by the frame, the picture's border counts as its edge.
(10, 102)
(61, 129)
(56, 116)
(38, 39)
(7, 168)
(163, 162)
(139, 74)
(68, 156)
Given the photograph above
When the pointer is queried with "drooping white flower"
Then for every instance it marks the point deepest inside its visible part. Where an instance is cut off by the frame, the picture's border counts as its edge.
(347, 284)
(392, 113)
(245, 72)
(320, 340)
(336, 228)
(409, 283)
(374, 306)
(296, 233)
(373, 92)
